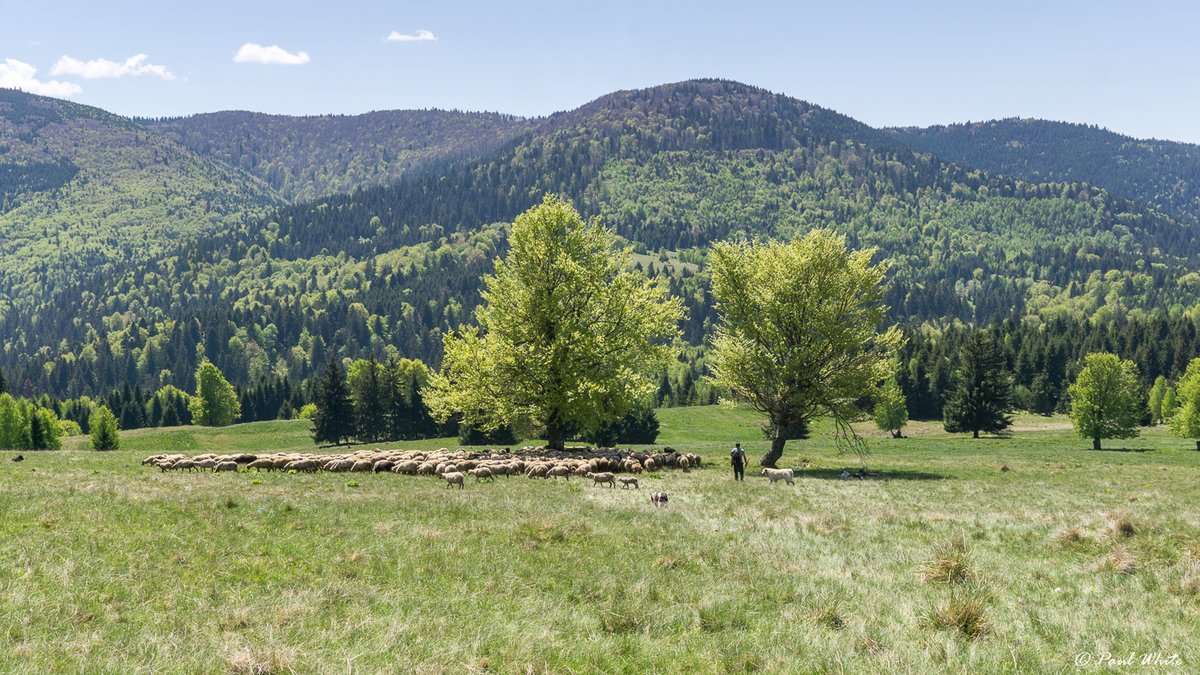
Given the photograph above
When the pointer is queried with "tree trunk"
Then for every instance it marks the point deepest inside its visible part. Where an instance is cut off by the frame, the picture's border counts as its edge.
(1198, 444)
(1096, 443)
(775, 453)
(897, 434)
(554, 439)
(975, 433)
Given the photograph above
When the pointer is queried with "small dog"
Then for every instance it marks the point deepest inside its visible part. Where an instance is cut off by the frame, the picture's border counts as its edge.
(659, 499)
(626, 482)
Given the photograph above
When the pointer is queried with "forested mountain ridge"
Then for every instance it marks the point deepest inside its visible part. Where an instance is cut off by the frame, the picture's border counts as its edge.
(82, 190)
(1161, 174)
(388, 269)
(303, 158)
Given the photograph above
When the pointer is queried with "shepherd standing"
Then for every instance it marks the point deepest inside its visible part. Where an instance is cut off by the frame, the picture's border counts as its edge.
(737, 457)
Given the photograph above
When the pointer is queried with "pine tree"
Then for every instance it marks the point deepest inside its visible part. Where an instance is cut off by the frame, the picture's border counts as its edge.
(334, 419)
(367, 392)
(3, 383)
(397, 389)
(104, 430)
(983, 389)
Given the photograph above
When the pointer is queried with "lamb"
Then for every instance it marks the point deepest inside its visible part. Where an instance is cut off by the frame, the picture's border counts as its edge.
(626, 482)
(453, 478)
(226, 466)
(603, 477)
(777, 475)
(482, 473)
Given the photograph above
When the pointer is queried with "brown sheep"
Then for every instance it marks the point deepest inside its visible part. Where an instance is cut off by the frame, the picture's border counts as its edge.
(626, 482)
(226, 466)
(603, 477)
(362, 465)
(560, 470)
(482, 473)
(262, 463)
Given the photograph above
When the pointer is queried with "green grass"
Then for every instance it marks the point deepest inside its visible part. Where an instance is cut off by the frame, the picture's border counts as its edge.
(106, 566)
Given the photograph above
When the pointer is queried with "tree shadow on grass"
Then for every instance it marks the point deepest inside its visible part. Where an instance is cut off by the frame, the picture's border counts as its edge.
(875, 474)
(1122, 450)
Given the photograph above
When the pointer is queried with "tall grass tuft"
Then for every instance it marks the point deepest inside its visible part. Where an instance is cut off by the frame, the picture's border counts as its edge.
(963, 614)
(951, 563)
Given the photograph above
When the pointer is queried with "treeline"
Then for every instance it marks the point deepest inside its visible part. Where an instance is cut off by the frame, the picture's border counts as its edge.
(1043, 358)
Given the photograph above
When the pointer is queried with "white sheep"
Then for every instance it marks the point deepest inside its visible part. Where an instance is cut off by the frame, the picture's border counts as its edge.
(603, 477)
(626, 482)
(225, 466)
(481, 473)
(453, 478)
(776, 475)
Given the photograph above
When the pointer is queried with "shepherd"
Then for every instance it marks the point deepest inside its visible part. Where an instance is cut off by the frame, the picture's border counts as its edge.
(737, 457)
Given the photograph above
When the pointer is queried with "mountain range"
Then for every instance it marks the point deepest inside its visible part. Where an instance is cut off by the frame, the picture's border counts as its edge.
(134, 247)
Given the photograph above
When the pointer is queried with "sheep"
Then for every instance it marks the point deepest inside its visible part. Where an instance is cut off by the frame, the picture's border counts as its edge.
(777, 475)
(626, 482)
(482, 473)
(383, 465)
(635, 468)
(425, 469)
(453, 478)
(407, 467)
(307, 465)
(603, 477)
(262, 463)
(684, 462)
(225, 466)
(362, 465)
(205, 464)
(184, 464)
(559, 470)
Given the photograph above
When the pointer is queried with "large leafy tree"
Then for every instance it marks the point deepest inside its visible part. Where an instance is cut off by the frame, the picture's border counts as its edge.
(1185, 403)
(1105, 398)
(799, 336)
(14, 425)
(981, 400)
(1157, 392)
(216, 402)
(568, 335)
(333, 421)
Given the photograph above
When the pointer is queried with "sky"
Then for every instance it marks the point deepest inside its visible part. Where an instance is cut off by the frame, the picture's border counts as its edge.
(1130, 67)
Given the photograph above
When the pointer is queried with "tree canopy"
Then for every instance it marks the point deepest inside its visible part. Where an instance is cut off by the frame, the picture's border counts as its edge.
(799, 334)
(1184, 403)
(891, 409)
(568, 335)
(1106, 400)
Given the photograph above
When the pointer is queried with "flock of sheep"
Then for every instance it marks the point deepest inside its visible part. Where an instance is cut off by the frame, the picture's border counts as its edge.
(453, 466)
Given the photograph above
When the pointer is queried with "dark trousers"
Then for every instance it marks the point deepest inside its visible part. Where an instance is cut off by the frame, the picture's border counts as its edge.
(739, 472)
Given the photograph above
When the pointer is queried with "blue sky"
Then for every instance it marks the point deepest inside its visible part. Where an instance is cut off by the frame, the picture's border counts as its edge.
(1131, 67)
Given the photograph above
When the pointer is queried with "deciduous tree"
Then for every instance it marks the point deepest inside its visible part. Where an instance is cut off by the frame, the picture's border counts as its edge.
(1106, 399)
(799, 334)
(568, 334)
(216, 402)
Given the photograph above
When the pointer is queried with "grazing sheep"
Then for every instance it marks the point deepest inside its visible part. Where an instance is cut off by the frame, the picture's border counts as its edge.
(383, 465)
(362, 465)
(603, 477)
(777, 475)
(205, 464)
(260, 464)
(453, 478)
(635, 467)
(626, 482)
(684, 462)
(659, 499)
(426, 469)
(482, 473)
(184, 464)
(306, 465)
(225, 466)
(651, 465)
(557, 471)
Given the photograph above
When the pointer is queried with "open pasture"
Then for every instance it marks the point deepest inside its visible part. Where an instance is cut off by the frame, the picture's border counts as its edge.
(990, 555)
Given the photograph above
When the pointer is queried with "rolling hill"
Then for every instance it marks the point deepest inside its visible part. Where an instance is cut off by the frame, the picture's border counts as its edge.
(388, 269)
(1161, 174)
(303, 158)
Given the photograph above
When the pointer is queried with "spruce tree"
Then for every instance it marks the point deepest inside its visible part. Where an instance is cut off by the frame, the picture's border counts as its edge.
(983, 389)
(3, 383)
(334, 419)
(397, 390)
(104, 430)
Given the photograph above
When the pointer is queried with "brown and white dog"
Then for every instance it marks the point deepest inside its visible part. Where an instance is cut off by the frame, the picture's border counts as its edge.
(659, 499)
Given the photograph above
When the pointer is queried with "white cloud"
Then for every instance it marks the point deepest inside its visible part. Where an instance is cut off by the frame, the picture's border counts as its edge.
(16, 74)
(252, 52)
(97, 68)
(419, 36)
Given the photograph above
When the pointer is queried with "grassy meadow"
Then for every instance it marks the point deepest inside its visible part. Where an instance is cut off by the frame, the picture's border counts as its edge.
(989, 555)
